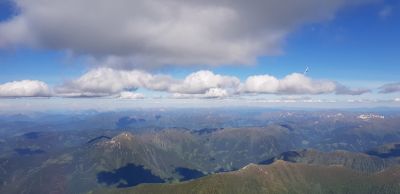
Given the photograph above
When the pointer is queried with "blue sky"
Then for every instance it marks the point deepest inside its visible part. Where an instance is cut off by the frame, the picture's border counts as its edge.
(359, 47)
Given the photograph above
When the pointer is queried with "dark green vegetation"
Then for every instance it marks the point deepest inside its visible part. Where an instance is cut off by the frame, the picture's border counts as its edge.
(118, 151)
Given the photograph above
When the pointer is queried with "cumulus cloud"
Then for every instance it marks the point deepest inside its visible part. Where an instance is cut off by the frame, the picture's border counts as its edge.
(261, 84)
(200, 84)
(107, 81)
(390, 88)
(216, 93)
(202, 81)
(146, 33)
(295, 83)
(25, 88)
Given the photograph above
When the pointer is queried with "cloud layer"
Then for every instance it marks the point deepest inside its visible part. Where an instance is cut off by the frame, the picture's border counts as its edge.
(25, 88)
(205, 84)
(106, 82)
(132, 33)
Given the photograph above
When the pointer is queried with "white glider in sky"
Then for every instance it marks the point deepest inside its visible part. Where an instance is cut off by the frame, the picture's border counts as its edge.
(305, 71)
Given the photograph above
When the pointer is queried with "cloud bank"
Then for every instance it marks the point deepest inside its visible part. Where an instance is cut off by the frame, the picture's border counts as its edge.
(142, 33)
(204, 84)
(122, 84)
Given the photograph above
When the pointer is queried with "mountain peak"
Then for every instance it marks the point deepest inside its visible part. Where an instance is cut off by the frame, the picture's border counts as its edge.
(125, 136)
(119, 140)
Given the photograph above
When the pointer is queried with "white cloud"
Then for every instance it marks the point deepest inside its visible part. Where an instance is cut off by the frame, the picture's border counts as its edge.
(397, 99)
(295, 83)
(25, 88)
(202, 81)
(261, 84)
(107, 81)
(131, 33)
(300, 84)
(216, 93)
(130, 95)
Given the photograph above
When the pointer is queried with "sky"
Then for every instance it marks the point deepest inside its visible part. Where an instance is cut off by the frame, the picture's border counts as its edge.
(99, 54)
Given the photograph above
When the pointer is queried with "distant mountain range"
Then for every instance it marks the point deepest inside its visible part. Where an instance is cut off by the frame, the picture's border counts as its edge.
(290, 152)
(305, 171)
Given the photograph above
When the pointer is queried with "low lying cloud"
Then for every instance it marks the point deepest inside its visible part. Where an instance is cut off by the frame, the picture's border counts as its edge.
(203, 84)
(390, 88)
(295, 83)
(142, 33)
(25, 88)
(106, 82)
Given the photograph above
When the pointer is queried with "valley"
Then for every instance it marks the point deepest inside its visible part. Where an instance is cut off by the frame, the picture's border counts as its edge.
(227, 148)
